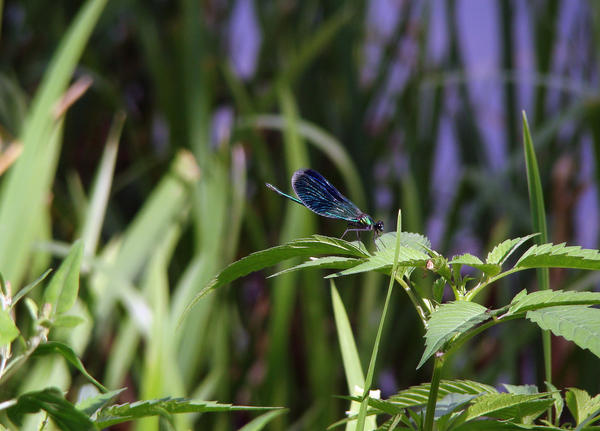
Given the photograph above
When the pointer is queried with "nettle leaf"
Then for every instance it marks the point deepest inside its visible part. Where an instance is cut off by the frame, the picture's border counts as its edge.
(475, 262)
(62, 412)
(502, 251)
(559, 256)
(8, 329)
(54, 347)
(577, 323)
(508, 406)
(449, 320)
(551, 298)
(452, 402)
(495, 425)
(327, 262)
(120, 413)
(418, 395)
(521, 389)
(411, 253)
(581, 405)
(91, 404)
(451, 394)
(64, 286)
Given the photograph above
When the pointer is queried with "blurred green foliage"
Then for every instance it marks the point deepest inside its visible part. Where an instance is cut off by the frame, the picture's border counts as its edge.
(160, 168)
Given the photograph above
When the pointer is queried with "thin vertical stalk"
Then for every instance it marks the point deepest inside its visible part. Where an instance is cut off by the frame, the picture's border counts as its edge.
(538, 217)
(433, 392)
(369, 380)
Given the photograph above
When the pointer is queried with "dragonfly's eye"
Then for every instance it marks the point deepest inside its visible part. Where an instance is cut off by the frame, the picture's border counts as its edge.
(379, 226)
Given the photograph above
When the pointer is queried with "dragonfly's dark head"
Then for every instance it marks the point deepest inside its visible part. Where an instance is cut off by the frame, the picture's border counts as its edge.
(378, 228)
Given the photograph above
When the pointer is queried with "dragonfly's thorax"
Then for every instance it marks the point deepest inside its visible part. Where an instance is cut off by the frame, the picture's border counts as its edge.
(366, 220)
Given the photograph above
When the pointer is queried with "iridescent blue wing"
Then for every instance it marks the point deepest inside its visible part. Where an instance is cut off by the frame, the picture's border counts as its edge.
(319, 196)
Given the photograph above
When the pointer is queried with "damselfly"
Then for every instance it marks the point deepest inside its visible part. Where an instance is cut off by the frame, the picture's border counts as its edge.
(318, 195)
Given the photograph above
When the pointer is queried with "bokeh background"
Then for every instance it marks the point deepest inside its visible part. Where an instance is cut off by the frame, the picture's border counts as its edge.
(401, 104)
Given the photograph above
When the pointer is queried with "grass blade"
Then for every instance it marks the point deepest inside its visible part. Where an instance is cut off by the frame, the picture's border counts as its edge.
(23, 193)
(538, 217)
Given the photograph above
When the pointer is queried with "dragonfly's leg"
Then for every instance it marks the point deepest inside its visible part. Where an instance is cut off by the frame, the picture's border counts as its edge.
(357, 236)
(344, 234)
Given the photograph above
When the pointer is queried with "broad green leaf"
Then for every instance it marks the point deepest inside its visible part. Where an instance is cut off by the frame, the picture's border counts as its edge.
(451, 403)
(259, 423)
(93, 403)
(449, 320)
(577, 323)
(120, 413)
(64, 285)
(327, 262)
(418, 395)
(307, 247)
(495, 425)
(508, 406)
(67, 353)
(505, 249)
(475, 262)
(25, 290)
(62, 412)
(581, 405)
(559, 256)
(8, 329)
(521, 389)
(551, 298)
(412, 251)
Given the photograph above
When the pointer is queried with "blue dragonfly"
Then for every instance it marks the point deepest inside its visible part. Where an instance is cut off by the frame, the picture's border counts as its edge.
(318, 195)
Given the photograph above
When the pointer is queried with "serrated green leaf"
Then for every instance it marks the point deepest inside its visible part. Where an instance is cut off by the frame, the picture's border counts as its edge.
(577, 323)
(551, 298)
(451, 403)
(449, 320)
(327, 262)
(576, 399)
(505, 249)
(91, 404)
(120, 413)
(8, 329)
(66, 352)
(62, 412)
(495, 425)
(64, 285)
(581, 405)
(508, 406)
(475, 262)
(521, 389)
(418, 395)
(412, 252)
(307, 247)
(559, 256)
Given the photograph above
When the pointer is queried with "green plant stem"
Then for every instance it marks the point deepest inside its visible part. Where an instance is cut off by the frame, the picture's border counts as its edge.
(471, 294)
(369, 380)
(417, 301)
(362, 413)
(433, 392)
